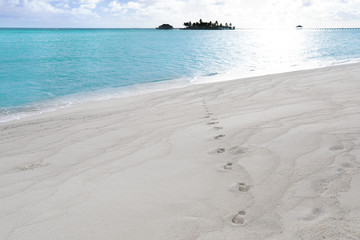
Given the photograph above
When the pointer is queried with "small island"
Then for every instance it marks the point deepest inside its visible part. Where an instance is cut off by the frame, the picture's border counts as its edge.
(207, 26)
(165, 27)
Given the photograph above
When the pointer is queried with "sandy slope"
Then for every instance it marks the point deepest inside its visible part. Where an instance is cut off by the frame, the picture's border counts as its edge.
(273, 157)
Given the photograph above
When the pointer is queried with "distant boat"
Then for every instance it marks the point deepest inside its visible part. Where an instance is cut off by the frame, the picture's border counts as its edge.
(299, 27)
(165, 27)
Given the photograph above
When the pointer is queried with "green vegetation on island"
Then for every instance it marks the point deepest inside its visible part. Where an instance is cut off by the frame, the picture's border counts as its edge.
(165, 27)
(207, 26)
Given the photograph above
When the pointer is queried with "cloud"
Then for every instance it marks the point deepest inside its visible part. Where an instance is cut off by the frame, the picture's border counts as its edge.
(149, 13)
(346, 15)
(42, 6)
(115, 6)
(242, 13)
(13, 3)
(307, 3)
(90, 4)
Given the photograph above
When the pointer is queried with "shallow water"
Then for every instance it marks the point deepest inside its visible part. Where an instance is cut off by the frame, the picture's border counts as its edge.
(42, 70)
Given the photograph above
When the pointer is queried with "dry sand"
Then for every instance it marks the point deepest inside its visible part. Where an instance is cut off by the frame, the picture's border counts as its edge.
(272, 157)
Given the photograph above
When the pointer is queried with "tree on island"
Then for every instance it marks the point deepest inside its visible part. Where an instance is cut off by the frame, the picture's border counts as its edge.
(165, 27)
(207, 26)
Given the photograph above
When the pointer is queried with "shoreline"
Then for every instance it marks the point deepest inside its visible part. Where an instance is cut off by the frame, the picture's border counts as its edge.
(268, 157)
(61, 102)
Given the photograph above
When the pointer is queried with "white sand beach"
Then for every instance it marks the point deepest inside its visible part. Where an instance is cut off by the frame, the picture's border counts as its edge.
(270, 157)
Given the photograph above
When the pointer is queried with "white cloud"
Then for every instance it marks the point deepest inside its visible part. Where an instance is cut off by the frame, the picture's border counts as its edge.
(242, 13)
(90, 4)
(307, 3)
(149, 13)
(41, 6)
(346, 15)
(62, 5)
(115, 6)
(13, 2)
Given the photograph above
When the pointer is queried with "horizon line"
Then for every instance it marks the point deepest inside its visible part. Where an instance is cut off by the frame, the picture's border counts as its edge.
(238, 28)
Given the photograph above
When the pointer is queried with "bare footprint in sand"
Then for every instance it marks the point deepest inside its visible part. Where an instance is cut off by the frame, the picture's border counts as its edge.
(237, 150)
(239, 218)
(243, 187)
(220, 150)
(336, 148)
(31, 166)
(346, 165)
(218, 128)
(312, 214)
(212, 123)
(219, 136)
(228, 166)
(239, 187)
(217, 151)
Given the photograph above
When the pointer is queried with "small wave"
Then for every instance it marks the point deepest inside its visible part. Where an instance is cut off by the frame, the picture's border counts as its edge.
(14, 113)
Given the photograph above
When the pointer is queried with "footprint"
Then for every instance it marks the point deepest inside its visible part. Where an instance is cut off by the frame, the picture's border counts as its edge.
(243, 187)
(228, 166)
(237, 150)
(212, 123)
(346, 165)
(31, 166)
(218, 128)
(239, 187)
(220, 150)
(312, 214)
(239, 218)
(217, 151)
(219, 136)
(206, 116)
(336, 148)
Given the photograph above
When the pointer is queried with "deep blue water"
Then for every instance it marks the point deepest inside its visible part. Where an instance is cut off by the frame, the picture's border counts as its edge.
(50, 68)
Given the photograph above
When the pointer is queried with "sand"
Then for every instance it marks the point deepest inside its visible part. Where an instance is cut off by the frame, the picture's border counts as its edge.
(271, 157)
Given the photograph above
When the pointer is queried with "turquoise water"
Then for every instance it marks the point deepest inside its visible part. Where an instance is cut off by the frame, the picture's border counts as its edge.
(44, 69)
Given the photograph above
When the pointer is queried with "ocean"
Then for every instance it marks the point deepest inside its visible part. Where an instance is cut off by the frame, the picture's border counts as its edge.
(46, 69)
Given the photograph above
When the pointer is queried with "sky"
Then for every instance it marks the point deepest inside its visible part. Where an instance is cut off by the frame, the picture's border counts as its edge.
(151, 13)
